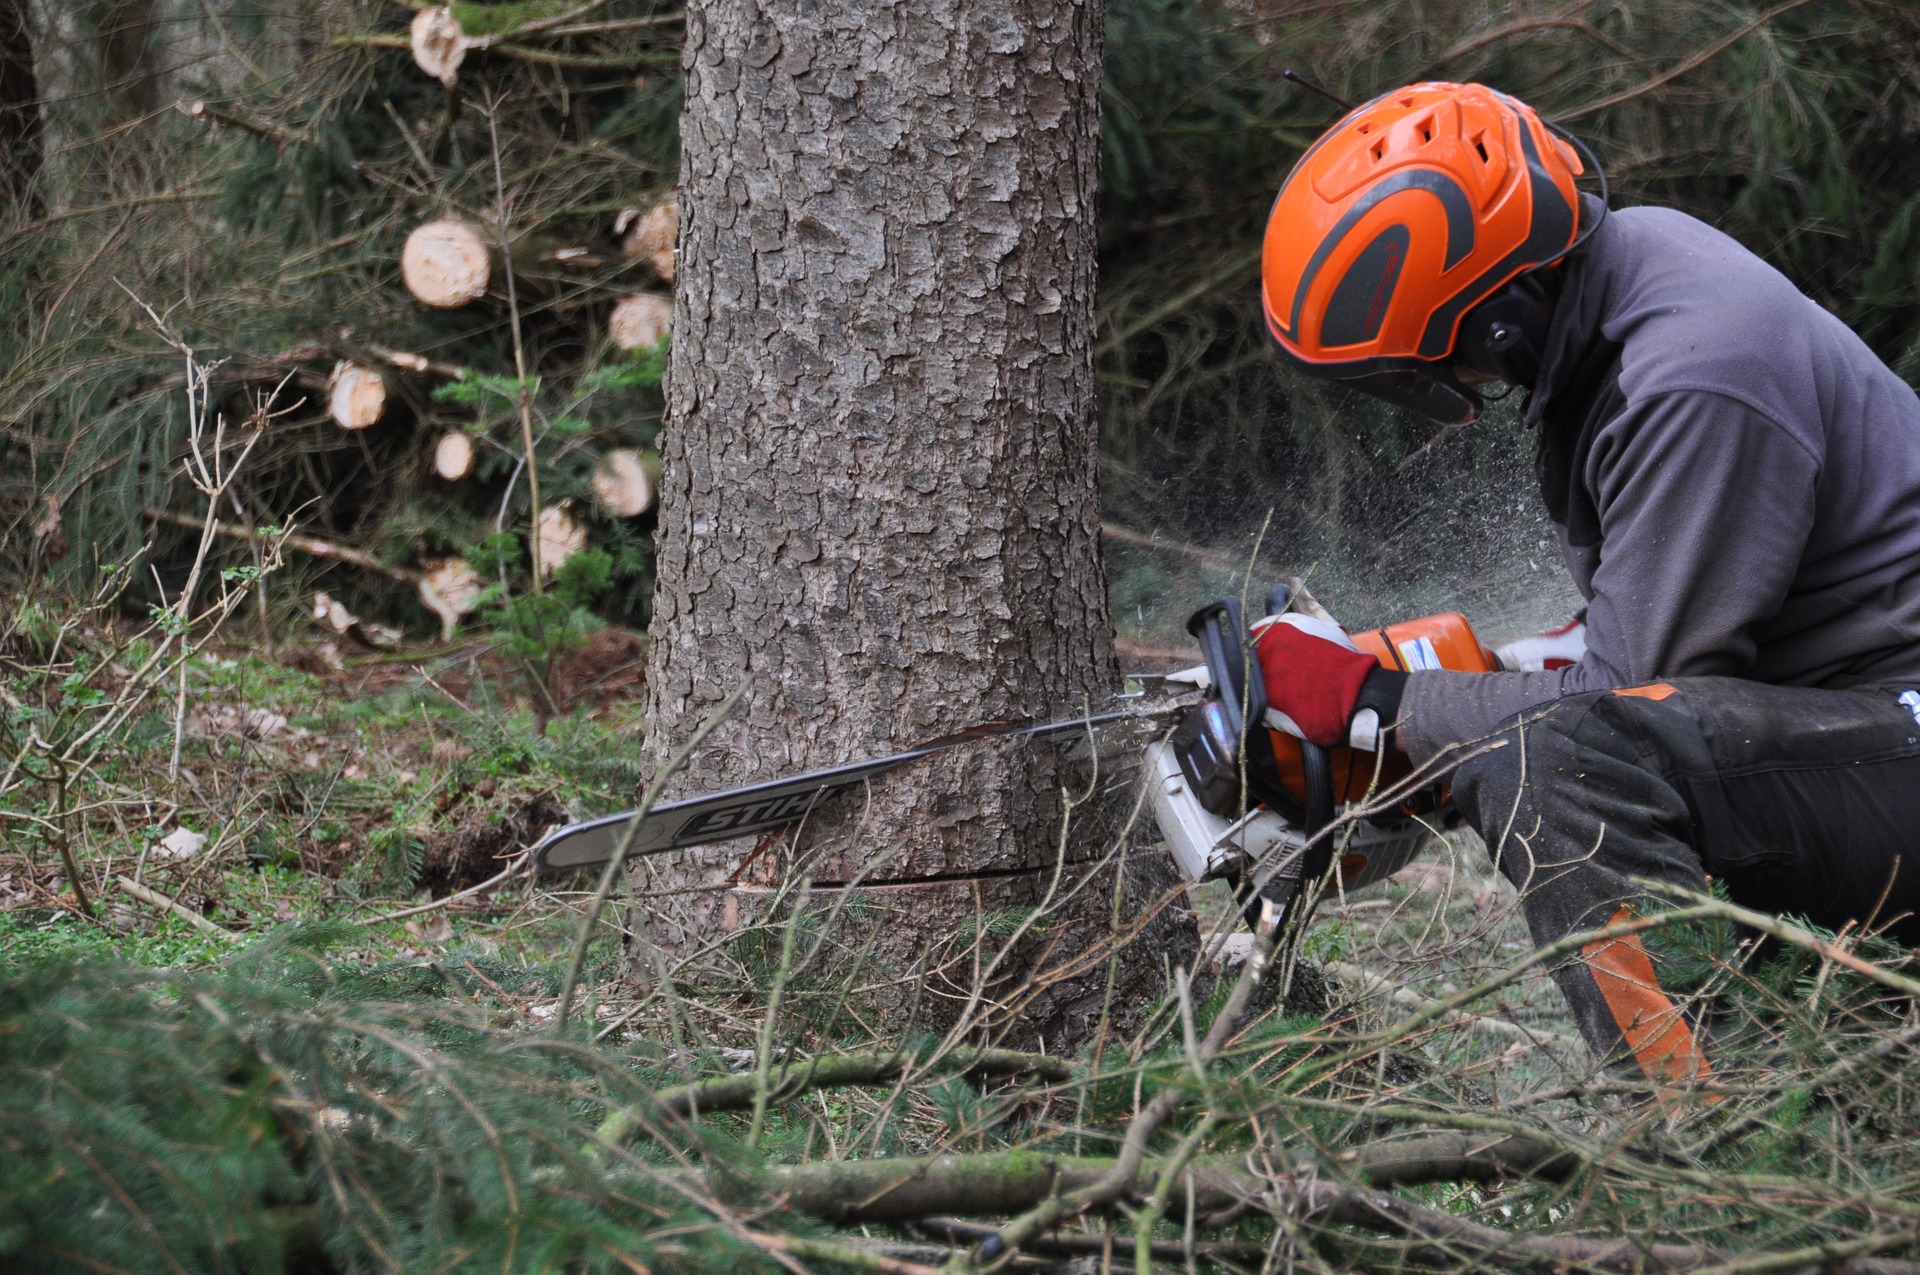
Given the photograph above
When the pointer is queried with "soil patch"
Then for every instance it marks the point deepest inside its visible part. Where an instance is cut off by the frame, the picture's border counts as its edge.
(482, 844)
(611, 666)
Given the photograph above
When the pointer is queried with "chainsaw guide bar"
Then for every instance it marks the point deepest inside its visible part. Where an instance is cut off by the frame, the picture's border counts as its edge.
(772, 803)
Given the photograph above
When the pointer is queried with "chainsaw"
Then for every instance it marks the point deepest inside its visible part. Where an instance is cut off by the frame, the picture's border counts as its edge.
(1234, 797)
(1238, 799)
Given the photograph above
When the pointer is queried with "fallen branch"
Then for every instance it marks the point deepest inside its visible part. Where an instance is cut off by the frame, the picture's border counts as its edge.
(910, 1190)
(135, 889)
(418, 362)
(965, 1234)
(1457, 1241)
(1126, 1169)
(736, 1093)
(311, 545)
(266, 130)
(1459, 1157)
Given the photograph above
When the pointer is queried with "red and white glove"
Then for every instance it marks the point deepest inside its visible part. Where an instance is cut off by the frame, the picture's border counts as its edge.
(1555, 649)
(1314, 675)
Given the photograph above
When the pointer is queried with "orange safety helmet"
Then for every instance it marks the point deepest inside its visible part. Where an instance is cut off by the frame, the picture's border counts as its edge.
(1405, 215)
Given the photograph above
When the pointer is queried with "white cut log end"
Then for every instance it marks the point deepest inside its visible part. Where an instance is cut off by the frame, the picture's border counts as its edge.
(448, 589)
(330, 612)
(356, 395)
(560, 538)
(439, 44)
(624, 483)
(652, 235)
(445, 264)
(453, 455)
(640, 321)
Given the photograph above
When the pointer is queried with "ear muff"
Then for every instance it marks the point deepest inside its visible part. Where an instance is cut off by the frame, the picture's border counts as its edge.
(1505, 335)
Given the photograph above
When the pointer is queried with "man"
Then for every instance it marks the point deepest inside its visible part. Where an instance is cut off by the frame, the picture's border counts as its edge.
(1735, 482)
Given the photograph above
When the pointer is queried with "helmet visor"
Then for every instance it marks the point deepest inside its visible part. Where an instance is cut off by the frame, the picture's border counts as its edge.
(1433, 394)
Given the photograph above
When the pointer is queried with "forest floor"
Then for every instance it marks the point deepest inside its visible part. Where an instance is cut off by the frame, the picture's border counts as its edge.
(277, 840)
(323, 782)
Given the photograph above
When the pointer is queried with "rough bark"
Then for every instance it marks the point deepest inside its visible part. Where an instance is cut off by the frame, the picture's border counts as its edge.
(878, 502)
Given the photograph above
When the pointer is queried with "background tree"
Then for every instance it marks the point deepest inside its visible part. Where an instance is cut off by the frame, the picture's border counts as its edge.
(879, 502)
(19, 111)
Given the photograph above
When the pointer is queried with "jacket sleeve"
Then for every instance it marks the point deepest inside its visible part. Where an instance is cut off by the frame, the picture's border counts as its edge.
(1705, 507)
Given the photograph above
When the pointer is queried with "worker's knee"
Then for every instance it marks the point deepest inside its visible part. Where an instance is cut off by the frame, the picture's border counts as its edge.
(1501, 775)
(1590, 777)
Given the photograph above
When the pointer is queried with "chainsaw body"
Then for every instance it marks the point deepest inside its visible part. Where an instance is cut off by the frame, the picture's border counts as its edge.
(1238, 800)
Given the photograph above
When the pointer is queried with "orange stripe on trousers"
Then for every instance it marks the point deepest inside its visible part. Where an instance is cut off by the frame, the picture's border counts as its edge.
(1656, 1031)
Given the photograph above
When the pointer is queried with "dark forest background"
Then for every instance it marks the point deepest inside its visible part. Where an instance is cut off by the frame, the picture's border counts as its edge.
(262, 229)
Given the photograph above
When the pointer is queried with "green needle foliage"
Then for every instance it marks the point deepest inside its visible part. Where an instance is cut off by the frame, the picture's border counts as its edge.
(282, 1117)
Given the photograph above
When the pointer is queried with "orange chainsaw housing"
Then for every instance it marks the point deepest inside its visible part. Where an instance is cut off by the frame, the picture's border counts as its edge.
(1444, 641)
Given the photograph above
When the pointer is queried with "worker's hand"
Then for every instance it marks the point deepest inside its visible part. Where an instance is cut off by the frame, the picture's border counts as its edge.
(1313, 674)
(1555, 649)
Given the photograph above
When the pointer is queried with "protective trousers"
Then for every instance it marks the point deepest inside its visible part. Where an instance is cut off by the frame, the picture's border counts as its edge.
(1801, 800)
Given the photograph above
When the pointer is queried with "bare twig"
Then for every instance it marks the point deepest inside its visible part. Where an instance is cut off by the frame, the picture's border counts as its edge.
(1702, 905)
(524, 387)
(313, 546)
(1566, 22)
(1693, 63)
(493, 882)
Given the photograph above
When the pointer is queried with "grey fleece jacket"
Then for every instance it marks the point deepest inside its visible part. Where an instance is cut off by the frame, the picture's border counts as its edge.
(1734, 478)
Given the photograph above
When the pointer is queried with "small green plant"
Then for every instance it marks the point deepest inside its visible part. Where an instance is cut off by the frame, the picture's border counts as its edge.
(544, 450)
(1328, 943)
(537, 627)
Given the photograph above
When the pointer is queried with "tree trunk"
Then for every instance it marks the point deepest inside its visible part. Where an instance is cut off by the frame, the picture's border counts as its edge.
(878, 504)
(20, 151)
(124, 38)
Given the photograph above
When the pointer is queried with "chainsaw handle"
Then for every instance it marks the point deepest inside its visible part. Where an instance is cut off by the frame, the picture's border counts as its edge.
(1241, 691)
(1220, 627)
